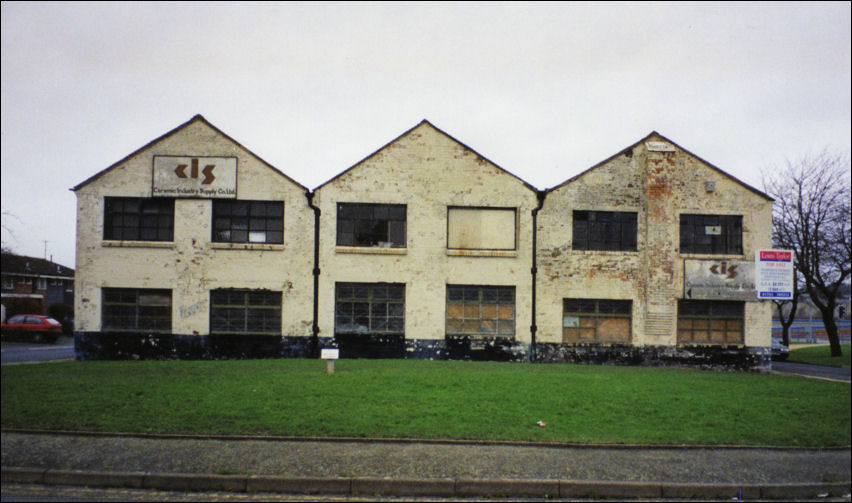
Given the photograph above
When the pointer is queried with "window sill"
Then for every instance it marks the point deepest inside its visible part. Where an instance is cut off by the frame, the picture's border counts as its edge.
(247, 246)
(370, 250)
(138, 244)
(714, 256)
(482, 253)
(605, 252)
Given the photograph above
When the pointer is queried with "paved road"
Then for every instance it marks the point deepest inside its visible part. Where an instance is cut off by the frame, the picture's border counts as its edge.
(820, 371)
(28, 353)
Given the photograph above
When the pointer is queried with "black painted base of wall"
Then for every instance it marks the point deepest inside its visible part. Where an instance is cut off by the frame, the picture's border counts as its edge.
(142, 346)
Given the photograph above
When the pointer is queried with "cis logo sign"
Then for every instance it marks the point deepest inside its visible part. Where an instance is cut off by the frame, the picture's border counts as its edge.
(724, 269)
(180, 171)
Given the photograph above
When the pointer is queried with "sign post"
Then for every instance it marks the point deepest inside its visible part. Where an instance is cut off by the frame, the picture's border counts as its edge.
(329, 355)
(773, 270)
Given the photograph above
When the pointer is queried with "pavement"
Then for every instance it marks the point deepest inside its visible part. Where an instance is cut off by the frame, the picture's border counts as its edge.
(422, 468)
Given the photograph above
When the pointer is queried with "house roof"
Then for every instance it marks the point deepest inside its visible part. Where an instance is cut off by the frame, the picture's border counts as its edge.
(32, 266)
(424, 121)
(658, 135)
(195, 118)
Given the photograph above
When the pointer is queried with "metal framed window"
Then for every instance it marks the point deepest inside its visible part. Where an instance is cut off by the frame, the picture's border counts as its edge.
(245, 312)
(596, 320)
(712, 234)
(369, 308)
(374, 225)
(139, 219)
(604, 230)
(710, 322)
(238, 221)
(481, 311)
(131, 309)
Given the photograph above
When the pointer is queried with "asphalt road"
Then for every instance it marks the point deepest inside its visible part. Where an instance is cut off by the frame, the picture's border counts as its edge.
(32, 352)
(818, 371)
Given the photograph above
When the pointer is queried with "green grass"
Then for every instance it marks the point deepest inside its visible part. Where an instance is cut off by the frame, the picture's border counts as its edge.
(821, 355)
(429, 399)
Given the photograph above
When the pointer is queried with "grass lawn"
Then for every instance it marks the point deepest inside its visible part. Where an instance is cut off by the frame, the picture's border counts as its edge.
(429, 399)
(821, 355)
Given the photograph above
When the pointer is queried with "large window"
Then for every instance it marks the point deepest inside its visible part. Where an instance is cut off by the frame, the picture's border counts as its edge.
(376, 225)
(369, 308)
(248, 221)
(481, 228)
(714, 234)
(710, 322)
(245, 312)
(481, 311)
(604, 230)
(139, 219)
(131, 309)
(596, 320)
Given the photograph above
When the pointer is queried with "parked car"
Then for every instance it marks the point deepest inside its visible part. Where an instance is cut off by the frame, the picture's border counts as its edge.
(780, 352)
(33, 327)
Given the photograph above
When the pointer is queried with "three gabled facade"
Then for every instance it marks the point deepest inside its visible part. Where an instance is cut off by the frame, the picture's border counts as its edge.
(193, 247)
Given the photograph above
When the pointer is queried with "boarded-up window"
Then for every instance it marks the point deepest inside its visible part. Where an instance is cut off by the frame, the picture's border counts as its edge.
(710, 322)
(596, 320)
(481, 311)
(481, 228)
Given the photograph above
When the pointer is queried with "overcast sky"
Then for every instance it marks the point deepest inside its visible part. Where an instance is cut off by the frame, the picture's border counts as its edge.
(543, 90)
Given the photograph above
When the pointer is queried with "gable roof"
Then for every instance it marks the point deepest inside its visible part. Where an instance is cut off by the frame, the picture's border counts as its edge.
(422, 122)
(32, 266)
(196, 118)
(658, 135)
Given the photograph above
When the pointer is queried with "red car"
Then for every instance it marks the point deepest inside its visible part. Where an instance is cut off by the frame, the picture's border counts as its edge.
(32, 326)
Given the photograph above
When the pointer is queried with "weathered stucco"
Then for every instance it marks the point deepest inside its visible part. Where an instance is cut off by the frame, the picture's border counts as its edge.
(192, 265)
(659, 186)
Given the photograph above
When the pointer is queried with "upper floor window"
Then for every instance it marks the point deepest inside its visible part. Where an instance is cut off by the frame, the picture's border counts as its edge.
(132, 309)
(238, 221)
(481, 228)
(139, 219)
(8, 282)
(604, 230)
(714, 234)
(41, 283)
(366, 224)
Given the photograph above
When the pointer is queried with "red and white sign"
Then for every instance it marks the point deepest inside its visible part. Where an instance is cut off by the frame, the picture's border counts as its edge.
(773, 270)
(194, 176)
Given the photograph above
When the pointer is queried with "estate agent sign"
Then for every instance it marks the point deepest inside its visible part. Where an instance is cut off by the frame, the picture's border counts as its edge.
(718, 280)
(774, 274)
(194, 176)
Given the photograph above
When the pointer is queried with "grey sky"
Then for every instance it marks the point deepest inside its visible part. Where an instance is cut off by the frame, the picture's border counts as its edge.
(543, 90)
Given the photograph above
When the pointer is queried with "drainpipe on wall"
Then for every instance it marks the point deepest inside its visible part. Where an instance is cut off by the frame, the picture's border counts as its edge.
(315, 336)
(540, 194)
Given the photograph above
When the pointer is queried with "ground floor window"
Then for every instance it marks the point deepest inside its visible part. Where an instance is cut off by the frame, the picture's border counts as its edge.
(132, 309)
(708, 321)
(369, 308)
(250, 312)
(596, 320)
(481, 311)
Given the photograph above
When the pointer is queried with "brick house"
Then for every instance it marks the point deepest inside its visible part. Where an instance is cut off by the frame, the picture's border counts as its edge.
(41, 281)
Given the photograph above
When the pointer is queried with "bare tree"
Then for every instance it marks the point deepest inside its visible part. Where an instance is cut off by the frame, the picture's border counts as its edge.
(812, 217)
(791, 306)
(4, 220)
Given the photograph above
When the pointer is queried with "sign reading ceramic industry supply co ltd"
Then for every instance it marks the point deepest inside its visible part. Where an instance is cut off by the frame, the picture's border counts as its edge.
(774, 274)
(718, 280)
(194, 176)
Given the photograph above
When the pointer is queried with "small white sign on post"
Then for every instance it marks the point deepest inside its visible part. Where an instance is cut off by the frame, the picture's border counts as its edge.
(329, 355)
(773, 270)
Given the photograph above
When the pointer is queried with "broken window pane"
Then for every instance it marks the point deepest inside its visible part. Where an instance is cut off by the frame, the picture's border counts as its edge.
(237, 221)
(374, 225)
